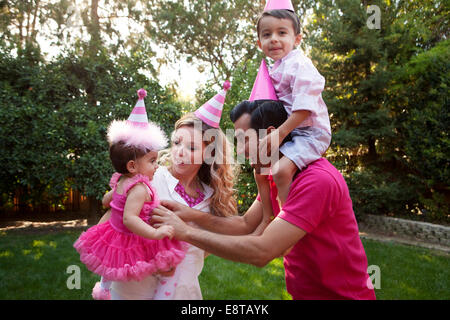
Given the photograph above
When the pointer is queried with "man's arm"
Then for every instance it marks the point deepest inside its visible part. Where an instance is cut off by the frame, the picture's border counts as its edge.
(279, 236)
(234, 225)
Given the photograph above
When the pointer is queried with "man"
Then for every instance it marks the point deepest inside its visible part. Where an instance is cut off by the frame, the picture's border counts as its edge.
(327, 259)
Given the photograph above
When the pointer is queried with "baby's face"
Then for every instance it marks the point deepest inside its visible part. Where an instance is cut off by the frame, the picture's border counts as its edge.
(276, 37)
(147, 164)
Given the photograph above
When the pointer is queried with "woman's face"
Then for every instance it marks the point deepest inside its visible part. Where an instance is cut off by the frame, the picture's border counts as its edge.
(187, 150)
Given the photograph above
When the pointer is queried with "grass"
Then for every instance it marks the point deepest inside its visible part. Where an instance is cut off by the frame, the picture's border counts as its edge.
(35, 267)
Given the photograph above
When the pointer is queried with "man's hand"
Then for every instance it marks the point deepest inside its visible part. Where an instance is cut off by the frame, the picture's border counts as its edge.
(162, 216)
(184, 212)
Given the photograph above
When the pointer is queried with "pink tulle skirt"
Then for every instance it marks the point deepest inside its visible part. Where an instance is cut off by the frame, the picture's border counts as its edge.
(119, 256)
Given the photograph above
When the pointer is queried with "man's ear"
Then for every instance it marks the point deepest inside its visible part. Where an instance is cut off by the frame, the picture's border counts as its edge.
(131, 166)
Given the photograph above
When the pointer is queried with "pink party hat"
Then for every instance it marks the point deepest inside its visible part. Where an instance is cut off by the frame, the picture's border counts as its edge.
(138, 116)
(137, 131)
(211, 111)
(279, 5)
(263, 87)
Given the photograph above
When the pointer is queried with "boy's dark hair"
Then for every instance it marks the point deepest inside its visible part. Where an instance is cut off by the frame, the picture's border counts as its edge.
(263, 113)
(120, 154)
(282, 14)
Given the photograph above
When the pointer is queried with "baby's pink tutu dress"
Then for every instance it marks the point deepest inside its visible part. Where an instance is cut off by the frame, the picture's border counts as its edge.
(114, 252)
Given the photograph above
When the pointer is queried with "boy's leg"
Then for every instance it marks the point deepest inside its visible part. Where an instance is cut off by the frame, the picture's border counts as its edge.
(283, 172)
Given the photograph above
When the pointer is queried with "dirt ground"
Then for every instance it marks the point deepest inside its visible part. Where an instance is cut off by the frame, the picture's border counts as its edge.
(43, 224)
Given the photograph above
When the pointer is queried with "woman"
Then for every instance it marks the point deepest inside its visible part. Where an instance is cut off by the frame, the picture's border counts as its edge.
(197, 172)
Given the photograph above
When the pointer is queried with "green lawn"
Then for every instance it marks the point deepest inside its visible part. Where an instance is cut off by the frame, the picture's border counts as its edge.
(35, 267)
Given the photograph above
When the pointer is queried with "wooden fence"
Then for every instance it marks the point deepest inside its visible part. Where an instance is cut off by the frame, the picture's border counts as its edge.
(73, 201)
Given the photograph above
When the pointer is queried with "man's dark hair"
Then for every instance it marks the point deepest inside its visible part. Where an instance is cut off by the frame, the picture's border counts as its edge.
(263, 113)
(281, 14)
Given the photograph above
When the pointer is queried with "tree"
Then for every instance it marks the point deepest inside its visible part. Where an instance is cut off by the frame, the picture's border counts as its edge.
(360, 66)
(220, 34)
(53, 136)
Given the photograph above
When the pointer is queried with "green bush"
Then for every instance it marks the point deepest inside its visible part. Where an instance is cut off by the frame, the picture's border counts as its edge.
(425, 87)
(54, 116)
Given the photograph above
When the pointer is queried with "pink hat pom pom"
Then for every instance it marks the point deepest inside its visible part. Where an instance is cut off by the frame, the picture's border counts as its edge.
(226, 85)
(142, 93)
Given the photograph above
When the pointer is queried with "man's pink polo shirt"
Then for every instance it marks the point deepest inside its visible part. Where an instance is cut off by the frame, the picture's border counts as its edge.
(329, 262)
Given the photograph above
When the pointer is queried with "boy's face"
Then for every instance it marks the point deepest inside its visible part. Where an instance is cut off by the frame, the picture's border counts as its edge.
(276, 37)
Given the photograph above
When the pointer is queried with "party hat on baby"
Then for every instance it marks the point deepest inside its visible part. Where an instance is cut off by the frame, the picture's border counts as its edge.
(211, 111)
(137, 131)
(138, 116)
(263, 87)
(279, 5)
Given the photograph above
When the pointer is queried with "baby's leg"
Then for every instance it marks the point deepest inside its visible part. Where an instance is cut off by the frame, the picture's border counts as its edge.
(102, 290)
(283, 173)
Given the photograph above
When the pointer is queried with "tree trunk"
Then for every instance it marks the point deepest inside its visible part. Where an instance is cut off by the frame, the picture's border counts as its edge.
(94, 210)
(372, 149)
(94, 28)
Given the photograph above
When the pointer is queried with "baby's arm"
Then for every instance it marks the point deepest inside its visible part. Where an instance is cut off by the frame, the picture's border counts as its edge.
(264, 192)
(135, 201)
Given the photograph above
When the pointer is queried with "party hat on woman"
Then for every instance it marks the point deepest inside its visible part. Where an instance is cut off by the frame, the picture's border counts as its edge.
(137, 131)
(279, 5)
(263, 87)
(211, 111)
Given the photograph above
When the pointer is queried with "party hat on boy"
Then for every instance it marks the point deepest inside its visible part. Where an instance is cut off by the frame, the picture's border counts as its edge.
(137, 131)
(211, 111)
(279, 5)
(263, 87)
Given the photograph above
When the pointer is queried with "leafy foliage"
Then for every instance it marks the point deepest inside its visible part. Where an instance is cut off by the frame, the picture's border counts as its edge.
(386, 90)
(387, 95)
(54, 118)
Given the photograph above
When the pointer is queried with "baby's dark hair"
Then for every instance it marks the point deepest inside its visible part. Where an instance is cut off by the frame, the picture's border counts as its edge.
(282, 14)
(120, 153)
(263, 113)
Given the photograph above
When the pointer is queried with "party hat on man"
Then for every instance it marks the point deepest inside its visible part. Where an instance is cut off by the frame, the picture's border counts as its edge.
(263, 87)
(137, 131)
(279, 5)
(211, 111)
